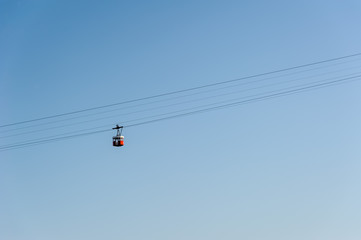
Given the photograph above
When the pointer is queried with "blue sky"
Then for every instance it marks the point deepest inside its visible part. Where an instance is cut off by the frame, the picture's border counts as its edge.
(285, 168)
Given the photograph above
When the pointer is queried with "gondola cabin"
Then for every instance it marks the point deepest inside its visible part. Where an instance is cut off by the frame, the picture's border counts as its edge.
(118, 141)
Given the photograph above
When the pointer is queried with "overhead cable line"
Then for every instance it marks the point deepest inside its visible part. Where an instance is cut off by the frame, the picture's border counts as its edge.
(247, 101)
(181, 91)
(169, 99)
(177, 103)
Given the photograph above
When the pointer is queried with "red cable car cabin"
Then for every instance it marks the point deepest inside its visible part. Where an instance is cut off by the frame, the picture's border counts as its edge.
(118, 140)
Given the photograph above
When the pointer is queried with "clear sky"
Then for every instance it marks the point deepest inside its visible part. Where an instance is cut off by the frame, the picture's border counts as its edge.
(285, 168)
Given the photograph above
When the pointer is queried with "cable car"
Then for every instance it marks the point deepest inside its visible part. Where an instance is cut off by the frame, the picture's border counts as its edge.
(118, 140)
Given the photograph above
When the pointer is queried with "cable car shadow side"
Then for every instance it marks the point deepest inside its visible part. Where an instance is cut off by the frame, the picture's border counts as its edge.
(118, 140)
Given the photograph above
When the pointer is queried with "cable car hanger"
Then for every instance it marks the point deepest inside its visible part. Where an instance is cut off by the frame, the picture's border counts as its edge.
(118, 140)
